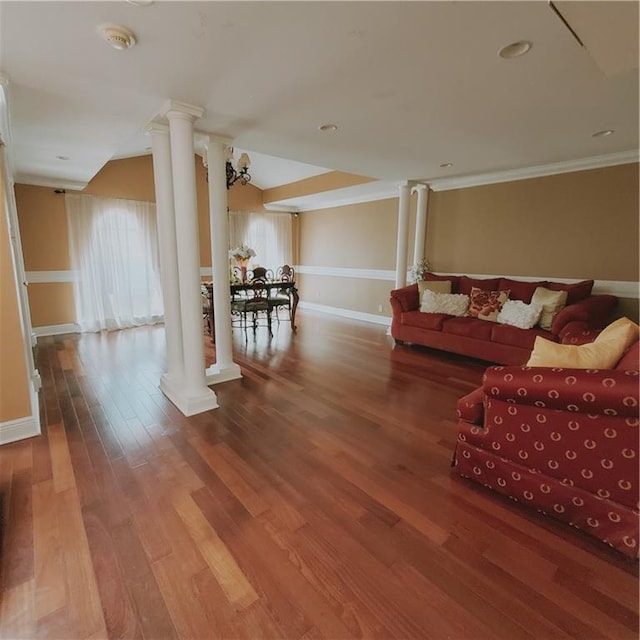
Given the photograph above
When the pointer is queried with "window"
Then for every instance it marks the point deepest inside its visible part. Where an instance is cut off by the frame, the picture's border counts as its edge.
(113, 245)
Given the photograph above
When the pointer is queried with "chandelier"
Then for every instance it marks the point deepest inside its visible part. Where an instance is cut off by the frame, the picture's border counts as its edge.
(238, 173)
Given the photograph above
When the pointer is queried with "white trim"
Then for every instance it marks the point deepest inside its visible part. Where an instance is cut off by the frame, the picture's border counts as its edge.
(206, 272)
(21, 428)
(40, 277)
(54, 183)
(619, 288)
(56, 329)
(511, 175)
(346, 313)
(345, 272)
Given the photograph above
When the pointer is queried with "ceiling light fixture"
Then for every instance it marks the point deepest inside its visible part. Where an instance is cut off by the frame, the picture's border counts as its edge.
(602, 134)
(515, 49)
(446, 165)
(328, 127)
(116, 36)
(141, 3)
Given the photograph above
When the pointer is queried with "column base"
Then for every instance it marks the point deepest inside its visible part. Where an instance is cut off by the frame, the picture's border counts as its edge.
(216, 374)
(188, 403)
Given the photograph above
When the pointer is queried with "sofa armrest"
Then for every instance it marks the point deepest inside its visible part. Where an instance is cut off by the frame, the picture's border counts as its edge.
(594, 311)
(609, 392)
(405, 299)
(470, 408)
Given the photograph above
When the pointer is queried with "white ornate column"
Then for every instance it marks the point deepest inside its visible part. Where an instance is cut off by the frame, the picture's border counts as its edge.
(224, 368)
(403, 235)
(167, 248)
(194, 396)
(421, 222)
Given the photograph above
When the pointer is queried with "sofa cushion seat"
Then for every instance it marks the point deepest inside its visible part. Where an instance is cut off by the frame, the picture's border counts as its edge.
(431, 321)
(468, 327)
(524, 338)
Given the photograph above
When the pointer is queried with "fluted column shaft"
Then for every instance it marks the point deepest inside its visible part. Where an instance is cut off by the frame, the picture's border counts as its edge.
(421, 222)
(163, 179)
(224, 368)
(186, 210)
(403, 235)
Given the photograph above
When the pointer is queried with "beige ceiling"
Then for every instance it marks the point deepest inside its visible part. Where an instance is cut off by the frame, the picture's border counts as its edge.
(411, 85)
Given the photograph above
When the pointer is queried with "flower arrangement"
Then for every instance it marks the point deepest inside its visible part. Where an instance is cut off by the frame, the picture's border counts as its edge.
(417, 270)
(242, 252)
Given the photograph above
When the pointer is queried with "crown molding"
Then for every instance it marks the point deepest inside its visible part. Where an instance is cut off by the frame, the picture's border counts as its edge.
(511, 175)
(280, 208)
(55, 183)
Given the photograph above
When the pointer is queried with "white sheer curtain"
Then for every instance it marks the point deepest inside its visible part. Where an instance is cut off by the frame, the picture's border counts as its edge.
(114, 251)
(268, 234)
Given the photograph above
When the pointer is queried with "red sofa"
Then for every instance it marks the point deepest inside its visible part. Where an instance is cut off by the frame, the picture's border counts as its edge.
(492, 341)
(563, 441)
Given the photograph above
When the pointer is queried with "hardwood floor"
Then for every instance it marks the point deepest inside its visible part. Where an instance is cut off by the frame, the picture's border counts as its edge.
(316, 502)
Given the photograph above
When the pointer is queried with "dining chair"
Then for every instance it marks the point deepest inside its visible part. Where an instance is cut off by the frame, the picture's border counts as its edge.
(282, 297)
(260, 273)
(257, 302)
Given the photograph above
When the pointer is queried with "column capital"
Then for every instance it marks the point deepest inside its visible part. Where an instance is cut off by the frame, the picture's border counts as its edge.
(156, 127)
(419, 186)
(175, 109)
(204, 137)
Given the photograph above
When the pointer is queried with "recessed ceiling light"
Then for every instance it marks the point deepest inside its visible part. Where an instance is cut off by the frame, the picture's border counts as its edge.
(62, 157)
(328, 127)
(602, 134)
(515, 49)
(116, 36)
(446, 165)
(140, 3)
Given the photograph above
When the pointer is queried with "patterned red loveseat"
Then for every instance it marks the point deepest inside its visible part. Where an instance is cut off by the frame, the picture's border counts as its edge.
(564, 441)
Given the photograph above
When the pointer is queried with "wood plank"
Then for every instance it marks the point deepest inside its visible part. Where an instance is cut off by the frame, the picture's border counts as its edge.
(50, 591)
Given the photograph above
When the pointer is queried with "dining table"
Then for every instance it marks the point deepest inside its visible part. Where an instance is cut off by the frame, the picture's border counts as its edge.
(237, 289)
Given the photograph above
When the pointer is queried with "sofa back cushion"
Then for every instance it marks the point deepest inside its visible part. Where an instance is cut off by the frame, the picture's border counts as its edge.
(520, 290)
(487, 284)
(455, 280)
(575, 292)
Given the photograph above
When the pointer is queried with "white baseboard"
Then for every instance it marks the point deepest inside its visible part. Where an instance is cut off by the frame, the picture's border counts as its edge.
(56, 329)
(346, 313)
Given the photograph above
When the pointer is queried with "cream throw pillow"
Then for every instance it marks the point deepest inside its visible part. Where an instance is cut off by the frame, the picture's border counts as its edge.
(453, 304)
(437, 286)
(519, 314)
(603, 353)
(552, 302)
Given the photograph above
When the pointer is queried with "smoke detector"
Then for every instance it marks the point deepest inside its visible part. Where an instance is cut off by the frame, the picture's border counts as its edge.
(116, 36)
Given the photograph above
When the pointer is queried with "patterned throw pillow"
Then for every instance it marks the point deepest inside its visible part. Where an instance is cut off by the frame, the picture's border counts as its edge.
(519, 314)
(453, 304)
(486, 305)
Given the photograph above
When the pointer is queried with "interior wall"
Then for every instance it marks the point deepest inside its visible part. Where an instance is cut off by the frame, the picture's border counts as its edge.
(574, 225)
(14, 380)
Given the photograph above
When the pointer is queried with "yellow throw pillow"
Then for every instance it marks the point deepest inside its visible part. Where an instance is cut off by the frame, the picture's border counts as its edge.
(437, 286)
(622, 331)
(603, 353)
(552, 302)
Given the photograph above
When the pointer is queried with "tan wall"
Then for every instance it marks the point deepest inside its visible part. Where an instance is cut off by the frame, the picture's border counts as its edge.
(14, 382)
(43, 228)
(316, 184)
(572, 225)
(577, 225)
